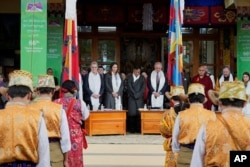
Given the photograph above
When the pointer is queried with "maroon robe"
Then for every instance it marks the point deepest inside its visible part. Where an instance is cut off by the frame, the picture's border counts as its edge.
(207, 82)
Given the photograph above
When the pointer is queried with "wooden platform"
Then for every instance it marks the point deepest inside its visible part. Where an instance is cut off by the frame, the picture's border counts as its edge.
(150, 121)
(106, 122)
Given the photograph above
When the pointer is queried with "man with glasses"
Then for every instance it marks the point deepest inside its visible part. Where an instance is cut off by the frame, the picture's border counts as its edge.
(93, 87)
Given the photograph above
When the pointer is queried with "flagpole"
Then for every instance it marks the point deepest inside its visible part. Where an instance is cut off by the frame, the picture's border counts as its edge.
(177, 44)
(69, 34)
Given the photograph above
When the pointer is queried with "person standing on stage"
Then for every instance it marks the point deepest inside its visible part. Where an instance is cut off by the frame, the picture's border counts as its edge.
(206, 81)
(136, 87)
(93, 87)
(113, 88)
(157, 84)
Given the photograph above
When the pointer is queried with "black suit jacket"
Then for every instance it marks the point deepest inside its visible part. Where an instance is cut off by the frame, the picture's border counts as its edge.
(86, 90)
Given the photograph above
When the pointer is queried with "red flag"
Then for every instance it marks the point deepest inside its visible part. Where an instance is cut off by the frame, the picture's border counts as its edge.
(70, 46)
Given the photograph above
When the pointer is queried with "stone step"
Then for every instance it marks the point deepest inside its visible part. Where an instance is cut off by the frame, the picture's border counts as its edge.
(124, 155)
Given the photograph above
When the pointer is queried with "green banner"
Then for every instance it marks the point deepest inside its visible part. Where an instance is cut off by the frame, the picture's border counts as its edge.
(243, 47)
(34, 36)
(55, 43)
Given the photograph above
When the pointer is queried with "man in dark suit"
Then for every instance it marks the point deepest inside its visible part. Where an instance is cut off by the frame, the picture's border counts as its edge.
(101, 71)
(136, 87)
(93, 87)
(157, 84)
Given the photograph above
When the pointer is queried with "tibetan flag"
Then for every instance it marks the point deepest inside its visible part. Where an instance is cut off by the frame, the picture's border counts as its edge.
(175, 49)
(70, 46)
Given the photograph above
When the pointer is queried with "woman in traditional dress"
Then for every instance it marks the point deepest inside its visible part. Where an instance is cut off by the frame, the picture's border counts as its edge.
(76, 111)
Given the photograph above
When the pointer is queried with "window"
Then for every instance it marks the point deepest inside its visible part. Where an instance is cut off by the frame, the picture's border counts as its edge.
(85, 49)
(106, 29)
(84, 28)
(187, 30)
(106, 51)
(208, 30)
(207, 52)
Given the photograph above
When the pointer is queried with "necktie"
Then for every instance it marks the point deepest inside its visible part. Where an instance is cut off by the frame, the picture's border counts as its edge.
(157, 78)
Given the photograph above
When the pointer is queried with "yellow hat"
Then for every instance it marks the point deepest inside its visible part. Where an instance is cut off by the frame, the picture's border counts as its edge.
(196, 88)
(46, 81)
(21, 78)
(233, 90)
(177, 90)
(213, 96)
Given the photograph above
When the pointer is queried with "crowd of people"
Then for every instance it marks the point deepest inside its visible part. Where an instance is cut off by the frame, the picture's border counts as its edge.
(199, 122)
(197, 134)
(38, 131)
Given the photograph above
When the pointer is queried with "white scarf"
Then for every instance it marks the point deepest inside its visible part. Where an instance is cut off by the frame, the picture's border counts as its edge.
(116, 83)
(135, 77)
(153, 80)
(231, 79)
(157, 102)
(94, 86)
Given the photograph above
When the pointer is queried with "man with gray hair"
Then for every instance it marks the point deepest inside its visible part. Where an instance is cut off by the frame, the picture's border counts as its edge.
(157, 84)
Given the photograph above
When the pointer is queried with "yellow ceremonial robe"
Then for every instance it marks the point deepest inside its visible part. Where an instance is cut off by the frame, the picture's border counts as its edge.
(19, 133)
(52, 115)
(219, 141)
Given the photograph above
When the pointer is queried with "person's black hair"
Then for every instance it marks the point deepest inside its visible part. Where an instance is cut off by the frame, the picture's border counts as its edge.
(49, 69)
(45, 90)
(196, 98)
(100, 66)
(111, 65)
(70, 86)
(136, 67)
(181, 106)
(245, 73)
(18, 91)
(176, 98)
(232, 102)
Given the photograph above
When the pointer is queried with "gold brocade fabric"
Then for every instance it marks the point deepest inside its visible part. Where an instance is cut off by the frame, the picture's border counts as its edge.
(191, 120)
(170, 160)
(219, 142)
(52, 116)
(166, 129)
(167, 123)
(19, 133)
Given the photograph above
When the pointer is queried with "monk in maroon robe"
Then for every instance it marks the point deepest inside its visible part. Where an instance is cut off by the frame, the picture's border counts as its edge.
(205, 80)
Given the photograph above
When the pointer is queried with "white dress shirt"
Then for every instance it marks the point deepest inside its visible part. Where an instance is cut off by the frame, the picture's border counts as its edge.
(43, 145)
(199, 149)
(64, 130)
